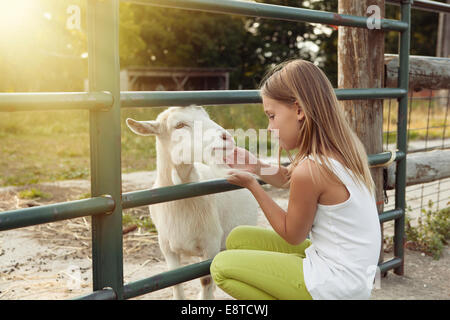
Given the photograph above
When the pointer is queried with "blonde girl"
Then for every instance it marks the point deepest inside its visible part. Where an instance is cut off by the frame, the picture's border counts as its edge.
(331, 199)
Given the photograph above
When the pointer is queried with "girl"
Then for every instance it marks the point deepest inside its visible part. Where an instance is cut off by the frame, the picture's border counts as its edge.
(331, 198)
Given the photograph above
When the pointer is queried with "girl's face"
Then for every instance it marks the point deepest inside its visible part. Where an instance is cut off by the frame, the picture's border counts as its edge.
(285, 119)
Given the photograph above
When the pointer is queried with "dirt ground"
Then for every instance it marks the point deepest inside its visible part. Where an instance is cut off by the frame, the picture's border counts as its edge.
(53, 261)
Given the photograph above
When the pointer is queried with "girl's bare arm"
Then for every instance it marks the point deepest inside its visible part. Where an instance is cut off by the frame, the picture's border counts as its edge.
(294, 224)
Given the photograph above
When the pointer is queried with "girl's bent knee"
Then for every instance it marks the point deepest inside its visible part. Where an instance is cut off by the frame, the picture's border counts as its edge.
(236, 235)
(217, 267)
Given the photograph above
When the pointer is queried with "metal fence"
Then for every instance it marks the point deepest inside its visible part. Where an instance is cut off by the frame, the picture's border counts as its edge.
(104, 102)
(428, 113)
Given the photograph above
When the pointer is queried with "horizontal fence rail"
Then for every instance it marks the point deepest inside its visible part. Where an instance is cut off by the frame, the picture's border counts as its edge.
(38, 101)
(180, 275)
(102, 101)
(99, 205)
(391, 215)
(425, 5)
(105, 294)
(154, 283)
(194, 189)
(131, 99)
(176, 192)
(55, 212)
(273, 12)
(391, 264)
(167, 279)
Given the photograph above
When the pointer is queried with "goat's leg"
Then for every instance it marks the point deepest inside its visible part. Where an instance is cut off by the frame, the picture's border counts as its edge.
(173, 262)
(208, 285)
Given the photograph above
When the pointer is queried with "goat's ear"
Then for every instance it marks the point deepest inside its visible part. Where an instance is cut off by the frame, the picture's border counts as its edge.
(143, 128)
(195, 106)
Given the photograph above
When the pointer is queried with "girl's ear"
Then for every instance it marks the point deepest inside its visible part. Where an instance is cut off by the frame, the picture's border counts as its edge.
(143, 128)
(300, 113)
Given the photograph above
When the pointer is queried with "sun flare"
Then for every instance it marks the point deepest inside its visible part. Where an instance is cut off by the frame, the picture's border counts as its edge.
(16, 15)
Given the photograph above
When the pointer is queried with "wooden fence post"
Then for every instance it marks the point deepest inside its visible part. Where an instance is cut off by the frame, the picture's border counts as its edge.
(361, 65)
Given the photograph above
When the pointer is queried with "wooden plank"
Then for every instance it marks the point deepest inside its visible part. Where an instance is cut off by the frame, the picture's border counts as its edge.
(424, 72)
(423, 167)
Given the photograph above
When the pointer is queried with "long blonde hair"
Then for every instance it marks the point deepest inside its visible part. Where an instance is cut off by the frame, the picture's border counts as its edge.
(324, 128)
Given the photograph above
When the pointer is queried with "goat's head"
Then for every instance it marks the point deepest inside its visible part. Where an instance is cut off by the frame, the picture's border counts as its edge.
(188, 134)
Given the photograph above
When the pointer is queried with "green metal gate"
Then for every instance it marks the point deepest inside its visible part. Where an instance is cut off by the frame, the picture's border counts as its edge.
(104, 101)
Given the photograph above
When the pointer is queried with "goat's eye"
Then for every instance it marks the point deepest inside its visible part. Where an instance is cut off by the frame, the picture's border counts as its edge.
(180, 125)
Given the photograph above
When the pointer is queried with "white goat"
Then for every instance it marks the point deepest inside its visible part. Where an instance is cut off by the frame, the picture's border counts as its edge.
(196, 226)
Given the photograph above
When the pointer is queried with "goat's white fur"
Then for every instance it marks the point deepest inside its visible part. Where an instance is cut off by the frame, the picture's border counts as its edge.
(195, 226)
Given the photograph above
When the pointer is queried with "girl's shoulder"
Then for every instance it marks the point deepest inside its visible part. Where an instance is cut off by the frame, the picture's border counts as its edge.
(303, 184)
(329, 187)
(304, 165)
(317, 171)
(308, 170)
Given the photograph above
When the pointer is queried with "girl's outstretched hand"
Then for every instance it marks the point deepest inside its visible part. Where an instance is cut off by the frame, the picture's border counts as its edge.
(242, 159)
(241, 178)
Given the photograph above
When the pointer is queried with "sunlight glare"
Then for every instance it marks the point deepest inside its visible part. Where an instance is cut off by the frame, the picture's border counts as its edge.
(16, 15)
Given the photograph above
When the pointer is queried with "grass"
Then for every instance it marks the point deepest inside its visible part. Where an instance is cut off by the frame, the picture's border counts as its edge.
(34, 194)
(429, 235)
(432, 232)
(422, 115)
(143, 221)
(48, 146)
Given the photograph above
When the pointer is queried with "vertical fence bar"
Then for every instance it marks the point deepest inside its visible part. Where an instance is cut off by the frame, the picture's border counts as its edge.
(103, 48)
(400, 183)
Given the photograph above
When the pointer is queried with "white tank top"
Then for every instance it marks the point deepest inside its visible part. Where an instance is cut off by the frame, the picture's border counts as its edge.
(342, 260)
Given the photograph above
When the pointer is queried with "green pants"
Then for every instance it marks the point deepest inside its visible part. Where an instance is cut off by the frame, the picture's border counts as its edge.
(260, 265)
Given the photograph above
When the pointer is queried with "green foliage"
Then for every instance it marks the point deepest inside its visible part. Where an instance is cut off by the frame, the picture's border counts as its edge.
(327, 54)
(432, 231)
(424, 26)
(144, 222)
(75, 173)
(130, 40)
(43, 146)
(245, 116)
(84, 196)
(44, 55)
(34, 194)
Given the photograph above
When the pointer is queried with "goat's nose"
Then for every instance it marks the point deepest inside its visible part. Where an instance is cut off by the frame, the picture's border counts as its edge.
(226, 136)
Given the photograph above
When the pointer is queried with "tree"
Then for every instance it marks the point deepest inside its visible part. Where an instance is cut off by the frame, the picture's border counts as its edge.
(182, 38)
(424, 25)
(274, 41)
(39, 53)
(200, 39)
